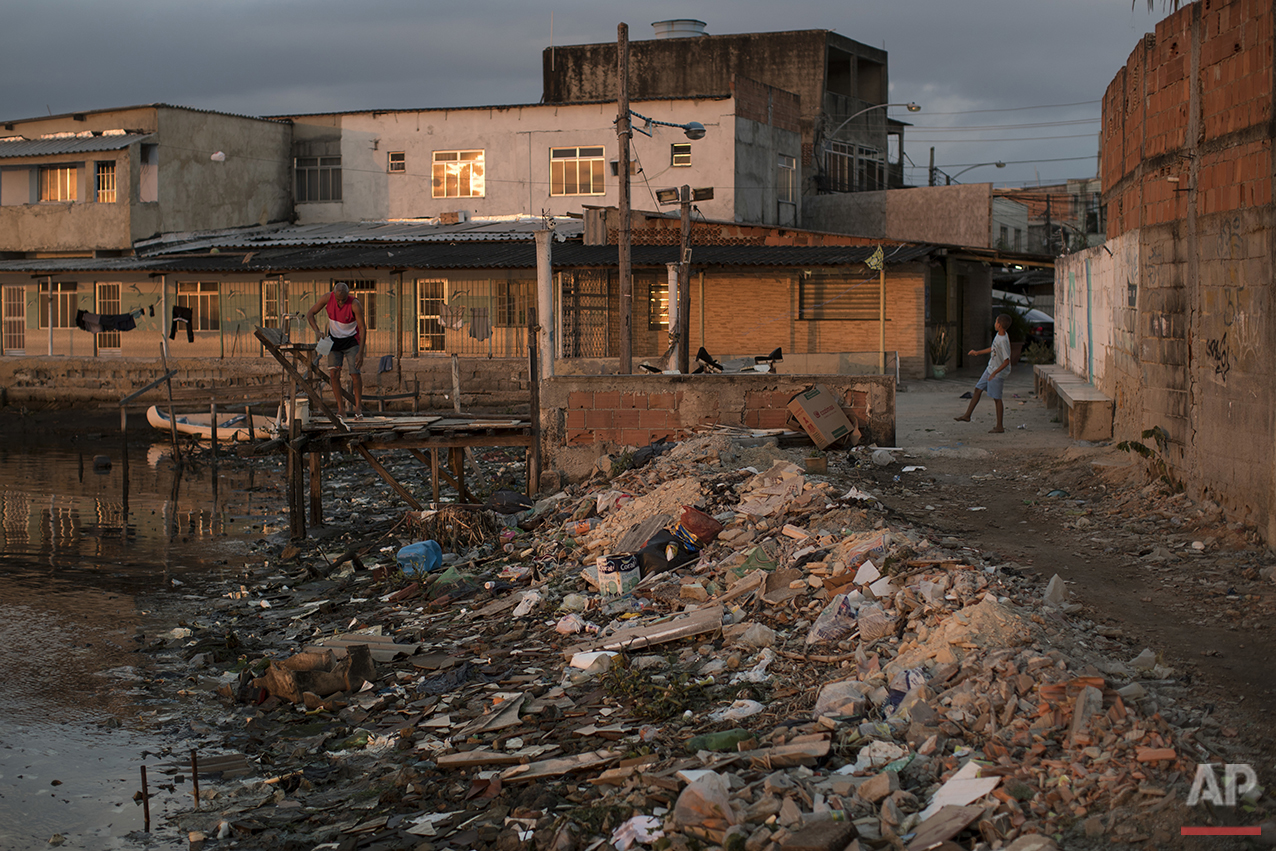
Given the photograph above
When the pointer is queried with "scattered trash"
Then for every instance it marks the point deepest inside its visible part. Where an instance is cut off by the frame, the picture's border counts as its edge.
(420, 558)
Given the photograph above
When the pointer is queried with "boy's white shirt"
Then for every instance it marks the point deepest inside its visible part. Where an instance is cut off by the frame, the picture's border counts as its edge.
(1000, 354)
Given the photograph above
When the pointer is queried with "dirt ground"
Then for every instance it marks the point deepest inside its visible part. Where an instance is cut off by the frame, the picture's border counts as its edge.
(1123, 546)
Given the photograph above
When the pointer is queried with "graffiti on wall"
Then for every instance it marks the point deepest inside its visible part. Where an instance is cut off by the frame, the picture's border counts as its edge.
(1233, 308)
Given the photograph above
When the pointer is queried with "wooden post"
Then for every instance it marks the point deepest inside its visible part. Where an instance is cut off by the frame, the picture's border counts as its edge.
(248, 417)
(434, 473)
(146, 802)
(623, 134)
(213, 410)
(172, 420)
(316, 489)
(124, 458)
(534, 385)
(296, 515)
(456, 384)
(881, 286)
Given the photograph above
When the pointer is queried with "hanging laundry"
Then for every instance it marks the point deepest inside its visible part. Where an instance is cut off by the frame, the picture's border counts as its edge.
(118, 322)
(183, 315)
(451, 317)
(90, 322)
(480, 325)
(386, 365)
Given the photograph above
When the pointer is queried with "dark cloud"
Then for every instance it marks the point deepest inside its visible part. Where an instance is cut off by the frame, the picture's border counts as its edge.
(296, 56)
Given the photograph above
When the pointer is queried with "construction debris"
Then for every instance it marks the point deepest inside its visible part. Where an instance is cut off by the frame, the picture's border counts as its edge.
(813, 676)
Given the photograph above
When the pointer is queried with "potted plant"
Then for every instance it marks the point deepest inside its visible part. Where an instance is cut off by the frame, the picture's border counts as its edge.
(940, 348)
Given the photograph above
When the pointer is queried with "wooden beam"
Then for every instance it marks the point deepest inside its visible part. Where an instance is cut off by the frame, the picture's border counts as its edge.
(438, 471)
(389, 479)
(156, 383)
(316, 397)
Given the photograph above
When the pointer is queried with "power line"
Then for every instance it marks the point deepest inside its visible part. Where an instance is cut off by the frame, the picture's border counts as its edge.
(1017, 108)
(918, 127)
(1015, 138)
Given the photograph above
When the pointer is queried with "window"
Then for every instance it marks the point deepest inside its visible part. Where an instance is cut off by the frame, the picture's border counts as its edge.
(576, 171)
(1018, 239)
(64, 304)
(106, 183)
(854, 168)
(458, 174)
(657, 305)
(108, 303)
(366, 292)
(431, 295)
(318, 179)
(15, 320)
(837, 295)
(270, 303)
(1004, 241)
(680, 154)
(510, 300)
(398, 162)
(201, 298)
(59, 183)
(786, 179)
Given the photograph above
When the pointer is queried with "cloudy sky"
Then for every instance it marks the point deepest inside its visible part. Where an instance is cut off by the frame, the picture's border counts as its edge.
(998, 80)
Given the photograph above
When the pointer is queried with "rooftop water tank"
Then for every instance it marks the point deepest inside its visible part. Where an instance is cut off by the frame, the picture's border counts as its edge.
(679, 28)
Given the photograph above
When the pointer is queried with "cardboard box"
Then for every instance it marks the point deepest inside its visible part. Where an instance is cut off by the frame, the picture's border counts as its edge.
(821, 416)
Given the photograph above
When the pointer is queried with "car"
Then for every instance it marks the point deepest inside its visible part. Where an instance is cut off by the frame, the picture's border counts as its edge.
(1037, 327)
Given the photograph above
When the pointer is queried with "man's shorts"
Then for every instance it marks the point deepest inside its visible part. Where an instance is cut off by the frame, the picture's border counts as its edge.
(336, 356)
(991, 386)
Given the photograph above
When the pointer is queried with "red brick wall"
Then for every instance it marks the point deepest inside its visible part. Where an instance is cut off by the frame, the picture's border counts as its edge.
(1146, 116)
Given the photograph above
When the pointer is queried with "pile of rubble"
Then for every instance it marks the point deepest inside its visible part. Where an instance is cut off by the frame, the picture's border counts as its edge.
(815, 677)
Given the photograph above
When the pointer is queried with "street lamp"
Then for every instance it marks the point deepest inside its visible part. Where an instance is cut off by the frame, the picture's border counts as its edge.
(912, 107)
(951, 178)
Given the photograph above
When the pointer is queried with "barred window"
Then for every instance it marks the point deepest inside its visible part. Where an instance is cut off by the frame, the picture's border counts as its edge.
(397, 162)
(680, 154)
(106, 183)
(511, 300)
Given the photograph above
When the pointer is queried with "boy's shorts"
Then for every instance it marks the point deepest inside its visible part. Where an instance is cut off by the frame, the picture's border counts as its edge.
(991, 386)
(351, 354)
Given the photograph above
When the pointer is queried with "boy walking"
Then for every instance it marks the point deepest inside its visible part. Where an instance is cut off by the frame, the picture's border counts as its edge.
(995, 375)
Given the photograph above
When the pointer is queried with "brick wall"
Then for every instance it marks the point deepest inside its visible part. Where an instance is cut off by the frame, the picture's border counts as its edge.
(583, 416)
(1175, 315)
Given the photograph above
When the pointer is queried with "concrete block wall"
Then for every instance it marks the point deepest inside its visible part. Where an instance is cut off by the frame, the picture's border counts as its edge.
(586, 416)
(1178, 306)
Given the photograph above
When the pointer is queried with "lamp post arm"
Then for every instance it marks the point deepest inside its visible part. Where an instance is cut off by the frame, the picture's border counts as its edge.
(912, 107)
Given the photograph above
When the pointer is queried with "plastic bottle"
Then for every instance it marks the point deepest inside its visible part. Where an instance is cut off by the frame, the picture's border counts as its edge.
(727, 740)
(420, 558)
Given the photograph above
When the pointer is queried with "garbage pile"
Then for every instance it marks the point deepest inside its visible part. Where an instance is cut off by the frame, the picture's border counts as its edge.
(713, 650)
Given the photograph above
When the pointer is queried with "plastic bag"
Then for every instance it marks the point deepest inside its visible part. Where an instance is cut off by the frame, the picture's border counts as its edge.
(705, 803)
(834, 623)
(663, 552)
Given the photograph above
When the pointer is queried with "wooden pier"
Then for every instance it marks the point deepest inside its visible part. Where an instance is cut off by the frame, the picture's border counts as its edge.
(438, 441)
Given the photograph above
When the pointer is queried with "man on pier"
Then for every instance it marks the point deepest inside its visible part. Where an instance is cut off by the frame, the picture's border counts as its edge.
(348, 332)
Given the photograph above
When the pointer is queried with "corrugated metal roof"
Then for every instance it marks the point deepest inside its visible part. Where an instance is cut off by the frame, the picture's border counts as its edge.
(495, 229)
(464, 255)
(67, 145)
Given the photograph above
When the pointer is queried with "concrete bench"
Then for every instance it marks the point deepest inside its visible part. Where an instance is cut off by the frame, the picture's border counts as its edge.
(1086, 412)
(1041, 375)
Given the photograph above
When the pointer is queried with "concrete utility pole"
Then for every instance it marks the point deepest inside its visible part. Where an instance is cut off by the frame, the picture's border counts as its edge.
(623, 134)
(932, 166)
